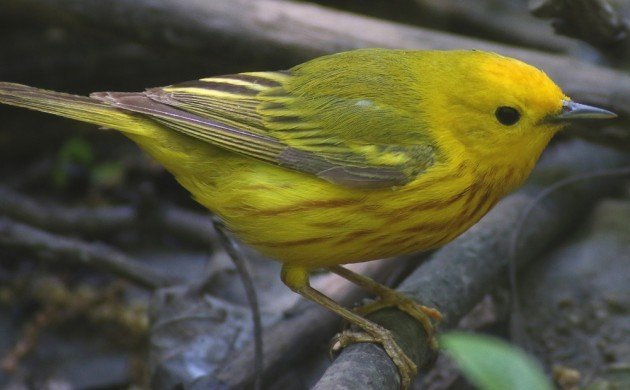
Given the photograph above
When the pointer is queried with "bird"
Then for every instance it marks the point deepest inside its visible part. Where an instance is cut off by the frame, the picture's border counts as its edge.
(345, 158)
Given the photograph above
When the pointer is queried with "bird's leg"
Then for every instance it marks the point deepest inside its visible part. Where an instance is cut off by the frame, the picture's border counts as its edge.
(390, 297)
(296, 278)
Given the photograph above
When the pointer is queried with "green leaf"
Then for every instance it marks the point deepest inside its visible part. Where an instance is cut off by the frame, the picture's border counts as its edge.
(492, 364)
(108, 174)
(74, 151)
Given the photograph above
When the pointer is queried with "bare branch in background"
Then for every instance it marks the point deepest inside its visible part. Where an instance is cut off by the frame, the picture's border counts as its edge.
(63, 250)
(300, 31)
(506, 23)
(195, 227)
(592, 21)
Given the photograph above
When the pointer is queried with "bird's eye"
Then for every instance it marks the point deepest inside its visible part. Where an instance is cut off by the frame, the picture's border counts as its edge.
(507, 115)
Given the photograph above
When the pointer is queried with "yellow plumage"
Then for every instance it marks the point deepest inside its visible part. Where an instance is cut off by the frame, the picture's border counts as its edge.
(346, 158)
(303, 220)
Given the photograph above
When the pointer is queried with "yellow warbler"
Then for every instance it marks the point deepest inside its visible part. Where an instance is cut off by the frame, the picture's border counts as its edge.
(346, 158)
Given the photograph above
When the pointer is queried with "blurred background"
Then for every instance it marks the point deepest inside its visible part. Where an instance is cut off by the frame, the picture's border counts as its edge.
(112, 277)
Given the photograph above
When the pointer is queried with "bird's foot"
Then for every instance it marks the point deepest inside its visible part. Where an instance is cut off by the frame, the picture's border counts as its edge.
(422, 313)
(379, 335)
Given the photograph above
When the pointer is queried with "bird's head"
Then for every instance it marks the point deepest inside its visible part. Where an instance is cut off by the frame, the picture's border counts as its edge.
(502, 108)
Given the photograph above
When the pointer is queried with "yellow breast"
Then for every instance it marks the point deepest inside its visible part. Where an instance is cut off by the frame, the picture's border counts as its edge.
(309, 222)
(300, 219)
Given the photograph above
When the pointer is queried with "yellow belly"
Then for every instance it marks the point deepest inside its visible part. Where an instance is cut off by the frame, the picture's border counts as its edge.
(315, 224)
(302, 220)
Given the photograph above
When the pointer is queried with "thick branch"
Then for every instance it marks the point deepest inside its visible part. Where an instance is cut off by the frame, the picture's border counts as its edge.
(507, 22)
(277, 28)
(593, 21)
(460, 274)
(309, 327)
(75, 252)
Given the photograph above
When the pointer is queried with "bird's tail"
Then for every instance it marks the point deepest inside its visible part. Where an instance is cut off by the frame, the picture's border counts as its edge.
(81, 108)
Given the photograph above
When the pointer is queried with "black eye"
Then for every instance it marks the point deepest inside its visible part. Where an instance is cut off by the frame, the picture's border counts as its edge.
(507, 115)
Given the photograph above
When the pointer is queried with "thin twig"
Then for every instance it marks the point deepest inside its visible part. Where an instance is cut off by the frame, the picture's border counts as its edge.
(71, 251)
(28, 341)
(101, 220)
(250, 291)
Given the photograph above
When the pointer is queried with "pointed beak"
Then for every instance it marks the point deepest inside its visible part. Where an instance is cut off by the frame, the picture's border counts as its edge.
(572, 110)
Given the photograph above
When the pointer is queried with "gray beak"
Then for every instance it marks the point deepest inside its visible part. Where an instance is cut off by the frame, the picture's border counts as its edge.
(572, 110)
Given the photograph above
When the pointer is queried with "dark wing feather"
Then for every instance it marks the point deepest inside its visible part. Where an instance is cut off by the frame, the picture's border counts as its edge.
(333, 126)
(254, 145)
(250, 144)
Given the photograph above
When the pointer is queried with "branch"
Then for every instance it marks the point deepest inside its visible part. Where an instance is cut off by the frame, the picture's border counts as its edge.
(188, 225)
(310, 327)
(461, 273)
(105, 219)
(508, 22)
(278, 29)
(70, 251)
(592, 21)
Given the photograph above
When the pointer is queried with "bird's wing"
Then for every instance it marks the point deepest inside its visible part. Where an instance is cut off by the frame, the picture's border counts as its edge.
(350, 140)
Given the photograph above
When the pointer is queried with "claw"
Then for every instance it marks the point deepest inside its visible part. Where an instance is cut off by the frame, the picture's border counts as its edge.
(389, 297)
(335, 346)
(406, 367)
(420, 312)
(297, 279)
